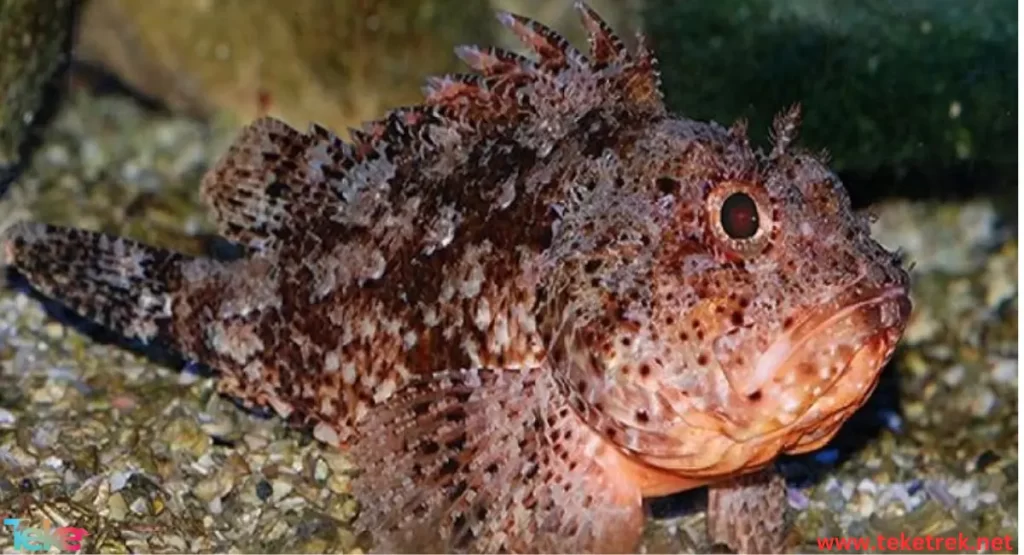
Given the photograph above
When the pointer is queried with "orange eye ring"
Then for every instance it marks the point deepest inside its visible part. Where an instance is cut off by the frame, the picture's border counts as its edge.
(739, 215)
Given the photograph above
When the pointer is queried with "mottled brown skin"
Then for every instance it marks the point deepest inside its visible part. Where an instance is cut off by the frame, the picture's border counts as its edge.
(524, 305)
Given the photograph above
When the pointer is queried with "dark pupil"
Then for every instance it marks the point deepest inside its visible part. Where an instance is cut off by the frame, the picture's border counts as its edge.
(739, 216)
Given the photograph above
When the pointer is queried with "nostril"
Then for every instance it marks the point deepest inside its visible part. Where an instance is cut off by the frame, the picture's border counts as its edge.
(755, 396)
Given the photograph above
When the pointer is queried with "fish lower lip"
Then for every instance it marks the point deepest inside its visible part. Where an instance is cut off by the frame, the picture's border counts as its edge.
(745, 433)
(781, 353)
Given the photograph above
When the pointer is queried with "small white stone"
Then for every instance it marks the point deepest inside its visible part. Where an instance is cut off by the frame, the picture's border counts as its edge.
(118, 480)
(281, 489)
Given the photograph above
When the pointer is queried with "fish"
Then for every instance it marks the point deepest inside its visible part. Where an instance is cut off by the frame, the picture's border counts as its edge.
(524, 305)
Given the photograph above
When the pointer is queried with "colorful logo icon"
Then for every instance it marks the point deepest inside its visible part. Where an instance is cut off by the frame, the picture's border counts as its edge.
(31, 538)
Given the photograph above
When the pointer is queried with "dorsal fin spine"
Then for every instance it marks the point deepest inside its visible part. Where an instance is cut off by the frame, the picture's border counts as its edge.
(605, 46)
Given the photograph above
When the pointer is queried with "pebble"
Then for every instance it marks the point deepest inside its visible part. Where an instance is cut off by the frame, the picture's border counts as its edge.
(847, 490)
(175, 543)
(255, 441)
(983, 402)
(119, 479)
(347, 510)
(866, 506)
(954, 375)
(57, 156)
(961, 488)
(321, 471)
(140, 506)
(215, 506)
(137, 545)
(986, 459)
(797, 499)
(315, 545)
(117, 509)
(867, 486)
(1004, 370)
(53, 462)
(339, 483)
(54, 330)
(220, 426)
(207, 490)
(158, 505)
(281, 488)
(205, 463)
(45, 436)
(264, 490)
(187, 378)
(15, 456)
(988, 498)
(938, 491)
(291, 503)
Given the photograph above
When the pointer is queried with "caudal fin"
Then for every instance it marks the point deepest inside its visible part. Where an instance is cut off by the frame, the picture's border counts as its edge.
(119, 283)
(489, 461)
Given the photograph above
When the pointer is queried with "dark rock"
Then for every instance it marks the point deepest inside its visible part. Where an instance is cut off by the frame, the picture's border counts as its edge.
(35, 42)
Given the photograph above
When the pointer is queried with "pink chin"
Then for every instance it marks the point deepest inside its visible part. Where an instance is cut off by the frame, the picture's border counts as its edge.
(746, 435)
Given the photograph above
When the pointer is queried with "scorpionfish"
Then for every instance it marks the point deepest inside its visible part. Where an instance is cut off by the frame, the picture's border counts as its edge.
(524, 305)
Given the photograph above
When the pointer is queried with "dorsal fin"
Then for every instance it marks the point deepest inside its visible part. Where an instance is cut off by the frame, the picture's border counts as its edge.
(605, 46)
(561, 79)
(270, 173)
(555, 53)
(641, 81)
(492, 61)
(276, 185)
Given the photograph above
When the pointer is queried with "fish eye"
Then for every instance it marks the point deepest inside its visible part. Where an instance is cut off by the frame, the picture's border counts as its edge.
(739, 217)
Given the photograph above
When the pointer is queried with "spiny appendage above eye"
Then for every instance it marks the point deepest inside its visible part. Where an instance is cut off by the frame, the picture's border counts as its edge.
(785, 128)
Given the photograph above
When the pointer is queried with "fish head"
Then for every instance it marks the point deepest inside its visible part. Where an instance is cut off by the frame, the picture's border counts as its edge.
(736, 309)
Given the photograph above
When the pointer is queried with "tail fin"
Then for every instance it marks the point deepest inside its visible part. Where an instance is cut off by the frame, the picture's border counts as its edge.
(119, 283)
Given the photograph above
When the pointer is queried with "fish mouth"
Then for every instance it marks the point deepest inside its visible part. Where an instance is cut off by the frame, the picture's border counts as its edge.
(828, 363)
(819, 350)
(800, 392)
